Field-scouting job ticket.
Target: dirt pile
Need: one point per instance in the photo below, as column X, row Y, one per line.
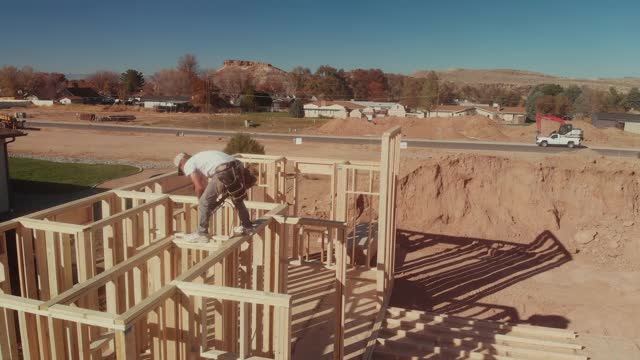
column 590, row 204
column 458, row 128
column 472, row 128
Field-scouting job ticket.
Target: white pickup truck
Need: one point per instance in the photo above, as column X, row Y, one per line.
column 557, row 139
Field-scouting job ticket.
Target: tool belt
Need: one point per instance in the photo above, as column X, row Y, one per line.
column 235, row 178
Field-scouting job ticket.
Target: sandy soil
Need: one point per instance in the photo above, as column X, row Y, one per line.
column 548, row 240
column 543, row 239
column 474, row 128
column 160, row 148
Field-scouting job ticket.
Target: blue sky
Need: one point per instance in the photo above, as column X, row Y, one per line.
column 562, row 37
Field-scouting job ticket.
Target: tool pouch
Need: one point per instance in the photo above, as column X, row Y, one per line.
column 235, row 180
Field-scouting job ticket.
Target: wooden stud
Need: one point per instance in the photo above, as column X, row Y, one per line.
column 8, row 341
column 126, row 348
column 341, row 283
column 245, row 331
column 26, row 265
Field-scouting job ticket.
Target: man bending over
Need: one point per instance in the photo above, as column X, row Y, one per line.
column 216, row 176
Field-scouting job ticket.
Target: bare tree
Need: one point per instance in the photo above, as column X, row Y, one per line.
column 233, row 81
column 9, row 81
column 105, row 82
column 188, row 65
column 189, row 68
column 169, row 82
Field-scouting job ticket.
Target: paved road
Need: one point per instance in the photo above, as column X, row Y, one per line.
column 420, row 143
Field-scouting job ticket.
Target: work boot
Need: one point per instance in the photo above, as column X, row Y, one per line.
column 196, row 238
column 241, row 230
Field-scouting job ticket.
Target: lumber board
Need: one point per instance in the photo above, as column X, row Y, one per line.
column 226, row 355
column 385, row 352
column 293, row 220
column 80, row 289
column 145, row 182
column 126, row 348
column 137, row 195
column 428, row 331
column 125, row 214
column 362, row 167
column 212, row 245
column 245, row 331
column 314, row 168
column 234, row 294
column 530, row 329
column 392, row 132
column 52, row 262
column 28, row 327
column 84, row 316
column 341, row 288
column 46, row 225
column 375, row 330
column 9, row 225
column 52, row 211
column 102, row 341
column 507, row 351
column 142, row 308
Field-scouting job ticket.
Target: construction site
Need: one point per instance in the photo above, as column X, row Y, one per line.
column 347, row 262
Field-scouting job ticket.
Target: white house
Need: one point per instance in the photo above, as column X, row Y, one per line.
column 39, row 102
column 469, row 103
column 449, row 111
column 171, row 102
column 331, row 109
column 376, row 105
column 397, row 110
column 67, row 100
column 357, row 114
column 514, row 115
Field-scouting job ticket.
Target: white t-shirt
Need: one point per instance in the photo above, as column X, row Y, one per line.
column 206, row 162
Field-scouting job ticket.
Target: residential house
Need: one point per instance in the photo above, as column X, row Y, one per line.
column 381, row 109
column 417, row 114
column 357, row 114
column 397, row 110
column 68, row 100
column 449, row 111
column 332, row 109
column 624, row 121
column 513, row 115
column 79, row 95
column 166, row 103
column 376, row 105
column 7, row 136
column 35, row 100
column 469, row 103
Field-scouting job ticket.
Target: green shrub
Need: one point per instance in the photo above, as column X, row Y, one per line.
column 243, row 143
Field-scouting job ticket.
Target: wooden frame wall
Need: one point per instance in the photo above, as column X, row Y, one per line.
column 105, row 276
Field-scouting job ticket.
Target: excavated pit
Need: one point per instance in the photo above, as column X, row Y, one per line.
column 552, row 241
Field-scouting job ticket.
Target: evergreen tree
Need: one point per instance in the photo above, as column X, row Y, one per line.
column 132, row 80
column 632, row 100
